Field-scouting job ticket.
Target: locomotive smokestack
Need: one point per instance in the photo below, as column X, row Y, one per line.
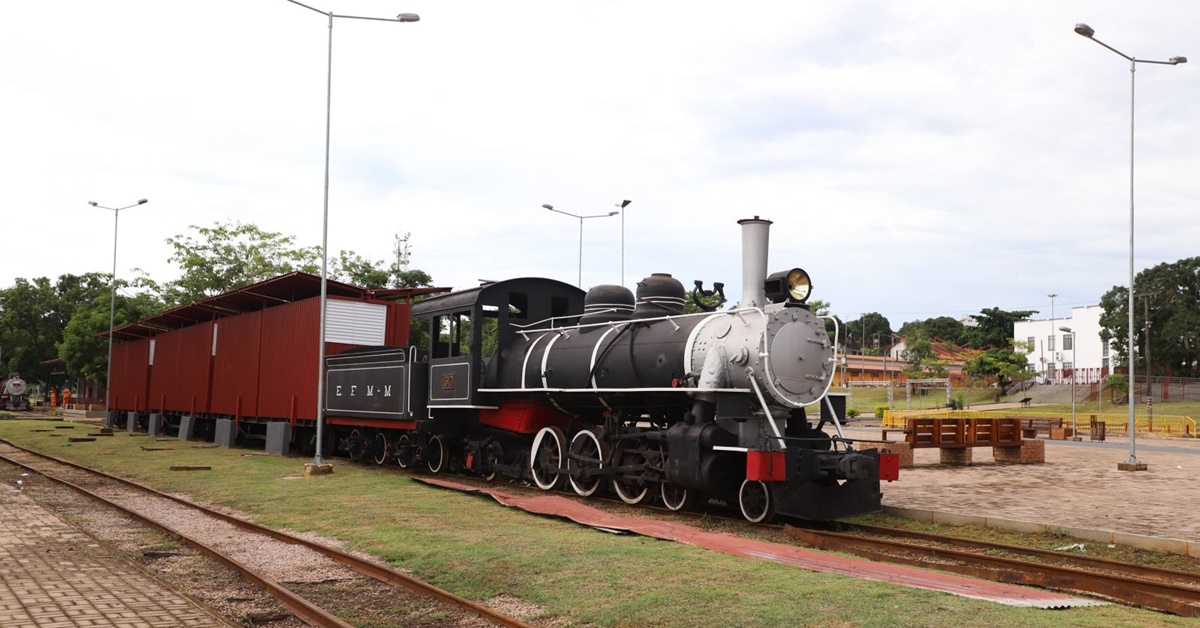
column 756, row 234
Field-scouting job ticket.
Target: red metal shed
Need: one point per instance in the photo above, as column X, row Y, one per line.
column 252, row 352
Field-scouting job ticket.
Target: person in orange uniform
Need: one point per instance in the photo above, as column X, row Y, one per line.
column 53, row 397
column 66, row 396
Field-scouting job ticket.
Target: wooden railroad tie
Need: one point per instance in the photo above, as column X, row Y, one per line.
column 80, row 439
column 64, row 427
column 189, row 468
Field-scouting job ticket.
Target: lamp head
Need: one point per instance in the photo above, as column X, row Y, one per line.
column 143, row 201
column 1066, row 329
column 1178, row 60
column 548, row 206
column 408, row 17
column 625, row 204
column 1085, row 30
column 92, row 203
column 613, row 213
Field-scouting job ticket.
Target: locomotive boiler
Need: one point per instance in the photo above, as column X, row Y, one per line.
column 534, row 379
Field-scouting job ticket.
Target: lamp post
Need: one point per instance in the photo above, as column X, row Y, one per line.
column 403, row 17
column 1090, row 33
column 621, row 206
column 581, row 219
column 1074, row 367
column 112, row 301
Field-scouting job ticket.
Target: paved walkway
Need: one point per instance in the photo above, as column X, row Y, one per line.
column 1078, row 486
column 53, row 575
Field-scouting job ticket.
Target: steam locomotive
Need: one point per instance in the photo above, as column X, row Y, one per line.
column 14, row 394
column 535, row 379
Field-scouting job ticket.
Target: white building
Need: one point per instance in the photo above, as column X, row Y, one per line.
column 1056, row 354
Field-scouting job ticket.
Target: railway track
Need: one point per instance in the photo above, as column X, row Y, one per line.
column 202, row 528
column 1167, row 590
column 1155, row 588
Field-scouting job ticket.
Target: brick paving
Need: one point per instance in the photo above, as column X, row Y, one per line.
column 53, row 575
column 1079, row 485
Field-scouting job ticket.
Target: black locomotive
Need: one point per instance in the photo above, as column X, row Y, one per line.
column 532, row 378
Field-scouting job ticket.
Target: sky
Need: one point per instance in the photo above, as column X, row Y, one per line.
column 917, row 158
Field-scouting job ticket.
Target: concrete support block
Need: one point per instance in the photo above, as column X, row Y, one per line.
column 110, row 419
column 1029, row 452
column 960, row 456
column 1061, row 433
column 131, row 422
column 155, row 425
column 226, row 434
column 187, row 425
column 279, row 438
column 904, row 450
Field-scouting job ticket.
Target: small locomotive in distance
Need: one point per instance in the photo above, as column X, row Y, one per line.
column 532, row 378
column 14, row 394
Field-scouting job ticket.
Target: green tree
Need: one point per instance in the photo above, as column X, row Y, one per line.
column 34, row 314
column 861, row 332
column 1005, row 365
column 1168, row 296
column 942, row 328
column 84, row 346
column 230, row 255
column 995, row 328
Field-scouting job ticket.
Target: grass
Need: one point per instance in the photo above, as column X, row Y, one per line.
column 477, row 548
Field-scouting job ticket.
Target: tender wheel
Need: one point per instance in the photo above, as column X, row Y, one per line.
column 628, row 484
column 755, row 500
column 435, row 454
column 494, row 456
column 380, row 446
column 587, row 454
column 403, row 451
column 546, row 457
column 677, row 498
column 355, row 446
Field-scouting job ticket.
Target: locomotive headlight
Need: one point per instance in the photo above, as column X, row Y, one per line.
column 792, row 285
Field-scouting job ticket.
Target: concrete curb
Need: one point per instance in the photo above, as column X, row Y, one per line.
column 1171, row 546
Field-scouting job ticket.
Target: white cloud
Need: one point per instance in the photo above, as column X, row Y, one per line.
column 917, row 158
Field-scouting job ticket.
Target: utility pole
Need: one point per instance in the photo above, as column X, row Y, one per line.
column 1146, row 332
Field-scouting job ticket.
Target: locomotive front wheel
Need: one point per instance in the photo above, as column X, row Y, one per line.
column 755, row 501
column 435, row 454
column 380, row 447
column 546, row 457
column 495, row 456
column 676, row 498
column 405, row 455
column 631, row 490
column 587, row 454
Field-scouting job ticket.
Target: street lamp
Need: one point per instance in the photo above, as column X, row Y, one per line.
column 403, row 17
column 112, row 302
column 1074, row 368
column 1089, row 32
column 622, row 205
column 581, row 219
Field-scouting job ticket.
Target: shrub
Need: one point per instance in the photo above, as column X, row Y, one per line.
column 852, row 413
column 879, row 410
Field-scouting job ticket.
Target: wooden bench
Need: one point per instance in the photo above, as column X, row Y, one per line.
column 1032, row 426
column 959, row 433
column 1026, row 401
